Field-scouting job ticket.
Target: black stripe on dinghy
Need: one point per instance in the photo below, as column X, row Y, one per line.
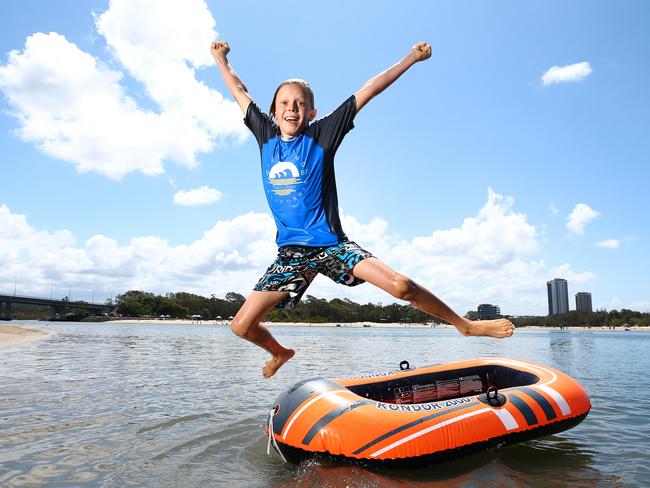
column 327, row 418
column 522, row 406
column 291, row 399
column 543, row 402
column 411, row 424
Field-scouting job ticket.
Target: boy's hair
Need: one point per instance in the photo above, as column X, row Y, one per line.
column 293, row 81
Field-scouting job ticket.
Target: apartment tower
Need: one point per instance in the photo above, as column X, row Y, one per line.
column 558, row 296
column 583, row 302
column 487, row 311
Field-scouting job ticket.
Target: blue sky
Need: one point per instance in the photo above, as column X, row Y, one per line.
column 518, row 153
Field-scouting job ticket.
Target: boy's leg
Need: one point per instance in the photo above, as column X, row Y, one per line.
column 379, row 274
column 247, row 324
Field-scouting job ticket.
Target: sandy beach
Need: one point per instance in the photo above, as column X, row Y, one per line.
column 226, row 323
column 379, row 325
column 11, row 335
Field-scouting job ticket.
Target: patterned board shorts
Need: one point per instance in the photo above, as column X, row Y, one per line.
column 296, row 267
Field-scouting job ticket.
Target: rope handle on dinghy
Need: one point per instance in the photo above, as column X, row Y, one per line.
column 272, row 437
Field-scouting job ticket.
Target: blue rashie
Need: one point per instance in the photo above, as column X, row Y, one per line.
column 298, row 175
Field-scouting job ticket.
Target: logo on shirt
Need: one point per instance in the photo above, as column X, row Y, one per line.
column 284, row 176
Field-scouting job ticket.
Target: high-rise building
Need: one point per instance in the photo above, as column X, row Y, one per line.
column 583, row 302
column 488, row 312
column 558, row 296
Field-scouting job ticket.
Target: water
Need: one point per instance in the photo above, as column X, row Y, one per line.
column 184, row 406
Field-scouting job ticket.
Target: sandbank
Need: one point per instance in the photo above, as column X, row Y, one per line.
column 11, row 335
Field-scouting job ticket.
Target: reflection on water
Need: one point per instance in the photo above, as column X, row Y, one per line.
column 509, row 466
column 175, row 406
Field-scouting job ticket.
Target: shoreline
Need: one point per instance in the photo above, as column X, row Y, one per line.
column 12, row 335
column 226, row 323
column 376, row 325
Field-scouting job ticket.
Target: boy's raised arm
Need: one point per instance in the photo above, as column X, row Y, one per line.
column 219, row 51
column 377, row 84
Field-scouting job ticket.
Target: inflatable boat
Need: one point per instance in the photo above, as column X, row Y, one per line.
column 425, row 415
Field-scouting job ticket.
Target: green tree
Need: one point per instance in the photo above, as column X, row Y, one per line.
column 235, row 299
column 471, row 315
column 135, row 303
column 167, row 306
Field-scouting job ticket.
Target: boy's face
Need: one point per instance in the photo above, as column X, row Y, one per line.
column 292, row 110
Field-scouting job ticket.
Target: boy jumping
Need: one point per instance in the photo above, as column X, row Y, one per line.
column 298, row 176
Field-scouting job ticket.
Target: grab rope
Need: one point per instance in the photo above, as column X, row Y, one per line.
column 272, row 437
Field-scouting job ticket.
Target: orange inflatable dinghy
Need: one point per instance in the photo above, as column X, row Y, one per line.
column 425, row 415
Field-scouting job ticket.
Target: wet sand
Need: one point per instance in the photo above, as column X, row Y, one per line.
column 11, row 335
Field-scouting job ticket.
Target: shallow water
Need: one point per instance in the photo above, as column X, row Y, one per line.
column 165, row 405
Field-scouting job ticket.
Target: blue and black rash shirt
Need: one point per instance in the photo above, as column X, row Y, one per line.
column 298, row 175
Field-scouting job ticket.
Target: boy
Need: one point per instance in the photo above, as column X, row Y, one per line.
column 298, row 175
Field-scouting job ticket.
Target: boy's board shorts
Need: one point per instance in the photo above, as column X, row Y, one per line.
column 296, row 267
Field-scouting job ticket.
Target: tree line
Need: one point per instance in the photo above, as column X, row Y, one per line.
column 136, row 303
column 310, row 309
column 319, row 310
column 600, row 318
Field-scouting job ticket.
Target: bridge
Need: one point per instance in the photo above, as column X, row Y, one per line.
column 57, row 307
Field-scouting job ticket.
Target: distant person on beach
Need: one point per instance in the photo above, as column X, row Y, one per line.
column 298, row 177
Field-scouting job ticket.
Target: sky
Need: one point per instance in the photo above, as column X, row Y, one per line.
column 517, row 154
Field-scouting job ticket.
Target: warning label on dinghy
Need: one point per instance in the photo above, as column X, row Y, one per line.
column 449, row 388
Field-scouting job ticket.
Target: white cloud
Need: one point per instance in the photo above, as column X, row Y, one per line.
column 565, row 271
column 74, row 108
column 198, row 196
column 617, row 303
column 229, row 257
column 553, row 209
column 579, row 217
column 609, row 243
column 490, row 258
column 161, row 44
column 571, row 72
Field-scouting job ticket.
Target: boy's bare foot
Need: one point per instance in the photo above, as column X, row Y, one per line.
column 276, row 362
column 498, row 328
